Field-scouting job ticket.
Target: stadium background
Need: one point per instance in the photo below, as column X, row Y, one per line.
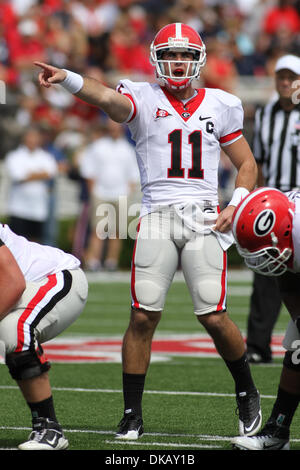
column 110, row 40
column 243, row 39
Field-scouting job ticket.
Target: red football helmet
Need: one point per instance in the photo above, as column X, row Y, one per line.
column 262, row 228
column 181, row 38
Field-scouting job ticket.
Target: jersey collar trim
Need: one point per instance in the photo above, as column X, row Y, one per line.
column 186, row 110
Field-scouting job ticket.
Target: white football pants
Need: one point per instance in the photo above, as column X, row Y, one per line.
column 162, row 241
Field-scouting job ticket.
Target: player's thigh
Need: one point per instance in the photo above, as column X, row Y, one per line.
column 45, row 309
column 204, row 264
column 154, row 263
column 17, row 327
column 66, row 310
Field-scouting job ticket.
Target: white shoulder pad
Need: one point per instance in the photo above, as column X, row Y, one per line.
column 223, row 96
column 134, row 88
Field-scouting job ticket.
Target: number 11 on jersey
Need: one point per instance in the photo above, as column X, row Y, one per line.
column 195, row 140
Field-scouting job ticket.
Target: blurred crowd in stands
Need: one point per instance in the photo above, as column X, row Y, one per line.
column 109, row 39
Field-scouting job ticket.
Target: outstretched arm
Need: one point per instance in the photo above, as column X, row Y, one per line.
column 117, row 106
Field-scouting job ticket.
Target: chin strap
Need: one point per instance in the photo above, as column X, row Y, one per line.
column 177, row 85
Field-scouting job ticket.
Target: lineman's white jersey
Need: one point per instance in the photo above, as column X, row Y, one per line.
column 36, row 261
column 292, row 336
column 295, row 197
column 178, row 144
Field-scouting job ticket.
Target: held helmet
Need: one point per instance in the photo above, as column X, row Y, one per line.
column 177, row 37
column 262, row 228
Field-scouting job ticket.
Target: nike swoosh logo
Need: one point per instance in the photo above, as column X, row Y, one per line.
column 203, row 118
column 52, row 441
column 251, row 427
column 266, row 446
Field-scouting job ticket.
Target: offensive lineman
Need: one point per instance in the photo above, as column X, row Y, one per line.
column 43, row 291
column 178, row 132
column 266, row 227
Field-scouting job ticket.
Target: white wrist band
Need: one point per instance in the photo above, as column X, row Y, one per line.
column 73, row 82
column 238, row 195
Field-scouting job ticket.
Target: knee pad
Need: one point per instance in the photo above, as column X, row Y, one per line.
column 209, row 292
column 27, row 364
column 292, row 360
column 149, row 295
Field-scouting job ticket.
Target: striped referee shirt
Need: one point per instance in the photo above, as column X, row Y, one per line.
column 276, row 145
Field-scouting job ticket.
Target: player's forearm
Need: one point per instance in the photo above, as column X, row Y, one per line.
column 247, row 175
column 13, row 289
column 244, row 183
column 114, row 104
column 117, row 106
column 242, row 158
column 12, row 281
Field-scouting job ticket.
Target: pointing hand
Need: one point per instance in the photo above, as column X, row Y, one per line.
column 50, row 75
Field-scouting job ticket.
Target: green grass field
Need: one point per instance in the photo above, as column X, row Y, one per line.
column 189, row 402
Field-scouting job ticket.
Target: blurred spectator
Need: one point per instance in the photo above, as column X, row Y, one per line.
column 225, row 175
column 211, row 23
column 219, row 71
column 109, row 38
column 29, row 168
column 26, row 111
column 8, row 17
column 28, row 45
column 252, row 20
column 127, row 54
column 189, row 12
column 50, row 232
column 21, row 7
column 109, row 165
column 94, row 16
column 283, row 15
column 249, row 56
column 58, row 40
column 260, row 55
column 72, row 140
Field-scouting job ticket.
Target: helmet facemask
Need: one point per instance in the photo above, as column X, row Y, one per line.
column 164, row 69
column 267, row 261
column 262, row 227
column 173, row 43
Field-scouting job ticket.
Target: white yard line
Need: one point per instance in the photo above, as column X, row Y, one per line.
column 203, row 437
column 150, row 392
column 165, row 444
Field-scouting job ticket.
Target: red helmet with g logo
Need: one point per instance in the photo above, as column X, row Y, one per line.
column 181, row 38
column 262, row 228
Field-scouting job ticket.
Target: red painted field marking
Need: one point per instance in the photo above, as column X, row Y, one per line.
column 91, row 350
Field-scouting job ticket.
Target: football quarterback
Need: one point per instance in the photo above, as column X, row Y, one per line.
column 179, row 131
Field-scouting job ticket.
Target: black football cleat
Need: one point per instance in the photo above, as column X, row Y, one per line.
column 249, row 411
column 45, row 435
column 130, row 427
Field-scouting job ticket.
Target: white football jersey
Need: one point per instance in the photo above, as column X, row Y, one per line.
column 295, row 197
column 178, row 143
column 36, row 261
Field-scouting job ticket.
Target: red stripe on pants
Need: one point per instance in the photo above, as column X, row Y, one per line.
column 133, row 294
column 42, row 292
column 223, row 282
